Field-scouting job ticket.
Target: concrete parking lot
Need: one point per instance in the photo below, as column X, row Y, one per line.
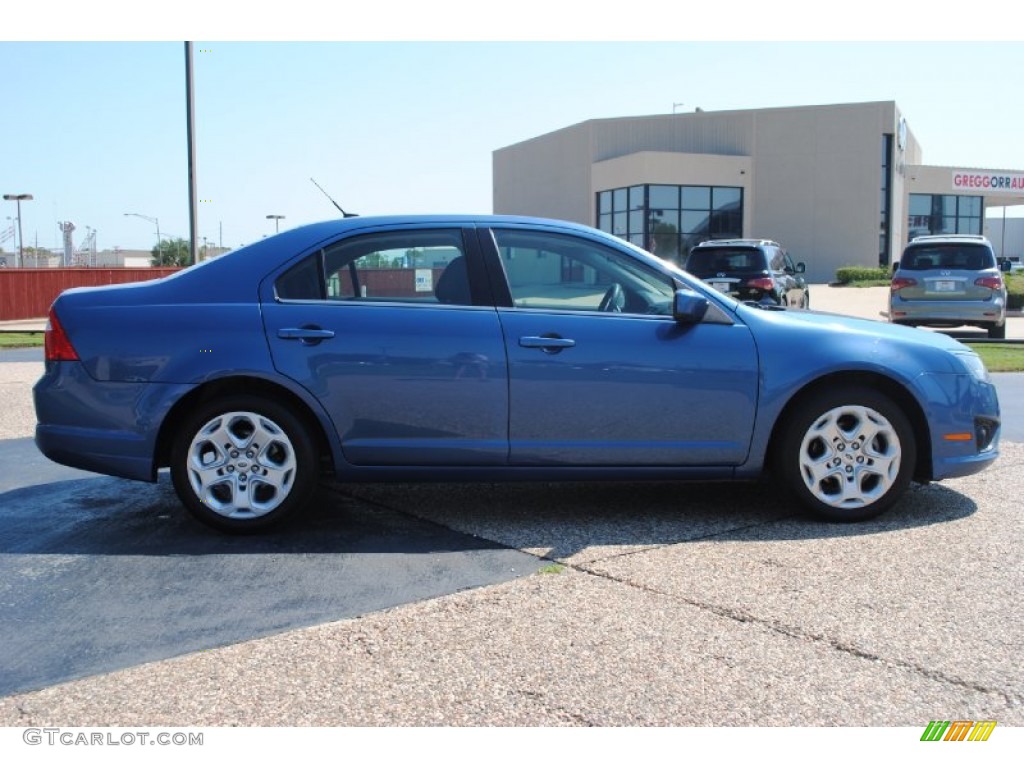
column 638, row 604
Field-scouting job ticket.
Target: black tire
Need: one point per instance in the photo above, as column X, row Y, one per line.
column 866, row 433
column 243, row 463
column 997, row 331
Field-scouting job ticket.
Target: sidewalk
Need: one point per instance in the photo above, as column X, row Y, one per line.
column 33, row 324
column 873, row 303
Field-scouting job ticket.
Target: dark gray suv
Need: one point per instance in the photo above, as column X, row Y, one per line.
column 750, row 270
column 945, row 281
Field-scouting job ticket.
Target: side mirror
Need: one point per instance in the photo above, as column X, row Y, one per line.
column 1004, row 265
column 689, row 307
column 895, row 266
column 800, row 267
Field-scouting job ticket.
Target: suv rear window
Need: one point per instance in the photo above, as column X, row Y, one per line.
column 709, row 261
column 948, row 256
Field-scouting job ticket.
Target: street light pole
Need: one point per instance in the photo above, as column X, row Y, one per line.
column 159, row 240
column 277, row 221
column 21, row 240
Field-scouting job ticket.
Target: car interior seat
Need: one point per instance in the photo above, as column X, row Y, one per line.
column 453, row 284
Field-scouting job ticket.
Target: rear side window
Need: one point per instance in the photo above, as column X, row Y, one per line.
column 407, row 266
column 948, row 256
column 711, row 261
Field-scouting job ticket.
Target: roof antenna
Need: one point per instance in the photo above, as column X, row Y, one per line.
column 346, row 215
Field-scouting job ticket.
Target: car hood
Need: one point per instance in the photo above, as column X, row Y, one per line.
column 838, row 340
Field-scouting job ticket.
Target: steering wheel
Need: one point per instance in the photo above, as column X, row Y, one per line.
column 614, row 299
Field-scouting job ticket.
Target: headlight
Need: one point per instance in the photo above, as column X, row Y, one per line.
column 974, row 365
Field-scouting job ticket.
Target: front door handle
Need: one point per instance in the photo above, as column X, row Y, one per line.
column 550, row 344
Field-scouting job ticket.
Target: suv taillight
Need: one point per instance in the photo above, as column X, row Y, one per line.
column 994, row 283
column 901, row 282
column 57, row 344
column 764, row 283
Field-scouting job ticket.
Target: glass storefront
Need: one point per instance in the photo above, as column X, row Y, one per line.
column 669, row 219
column 945, row 215
column 883, row 234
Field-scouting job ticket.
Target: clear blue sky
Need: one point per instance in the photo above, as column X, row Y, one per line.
column 97, row 129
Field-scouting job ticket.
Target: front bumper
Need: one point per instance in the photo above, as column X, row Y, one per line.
column 965, row 424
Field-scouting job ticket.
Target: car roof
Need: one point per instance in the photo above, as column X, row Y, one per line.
column 217, row 277
column 935, row 239
column 745, row 242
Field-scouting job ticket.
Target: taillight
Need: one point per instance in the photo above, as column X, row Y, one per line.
column 994, row 283
column 764, row 283
column 57, row 344
column 901, row 282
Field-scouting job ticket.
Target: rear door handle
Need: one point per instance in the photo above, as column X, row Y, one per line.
column 547, row 343
column 310, row 335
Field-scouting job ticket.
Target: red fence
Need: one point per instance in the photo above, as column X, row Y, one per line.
column 28, row 293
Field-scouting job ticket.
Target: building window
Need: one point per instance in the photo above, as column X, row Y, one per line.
column 945, row 215
column 885, row 226
column 669, row 219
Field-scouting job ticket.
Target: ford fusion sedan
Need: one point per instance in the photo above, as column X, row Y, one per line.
column 490, row 348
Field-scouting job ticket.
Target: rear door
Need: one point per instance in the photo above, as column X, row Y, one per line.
column 394, row 331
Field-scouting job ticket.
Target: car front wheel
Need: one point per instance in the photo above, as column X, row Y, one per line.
column 241, row 464
column 847, row 454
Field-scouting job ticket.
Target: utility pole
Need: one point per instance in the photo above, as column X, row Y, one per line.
column 21, row 240
column 190, row 130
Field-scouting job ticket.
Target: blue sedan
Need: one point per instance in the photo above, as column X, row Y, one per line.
column 490, row 348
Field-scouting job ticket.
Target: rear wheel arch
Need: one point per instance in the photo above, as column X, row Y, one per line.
column 872, row 381
column 237, row 385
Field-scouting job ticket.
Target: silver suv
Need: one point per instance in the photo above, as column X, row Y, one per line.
column 946, row 281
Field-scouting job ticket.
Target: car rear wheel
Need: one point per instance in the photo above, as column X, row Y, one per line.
column 243, row 463
column 997, row 331
column 847, row 454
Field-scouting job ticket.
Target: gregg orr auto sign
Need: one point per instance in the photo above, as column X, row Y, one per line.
column 986, row 181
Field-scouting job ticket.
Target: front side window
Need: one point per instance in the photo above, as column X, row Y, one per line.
column 422, row 267
column 551, row 271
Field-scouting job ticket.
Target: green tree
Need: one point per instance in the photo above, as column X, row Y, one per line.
column 171, row 253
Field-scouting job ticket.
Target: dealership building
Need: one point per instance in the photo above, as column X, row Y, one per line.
column 836, row 185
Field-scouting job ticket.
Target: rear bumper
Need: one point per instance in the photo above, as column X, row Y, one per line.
column 121, row 454
column 100, row 426
column 949, row 313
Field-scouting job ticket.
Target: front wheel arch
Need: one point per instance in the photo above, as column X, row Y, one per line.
column 847, row 454
column 890, row 388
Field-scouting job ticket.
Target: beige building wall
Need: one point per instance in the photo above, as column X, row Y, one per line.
column 547, row 176
column 812, row 176
column 668, row 168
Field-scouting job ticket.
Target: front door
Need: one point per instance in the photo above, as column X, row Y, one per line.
column 601, row 375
